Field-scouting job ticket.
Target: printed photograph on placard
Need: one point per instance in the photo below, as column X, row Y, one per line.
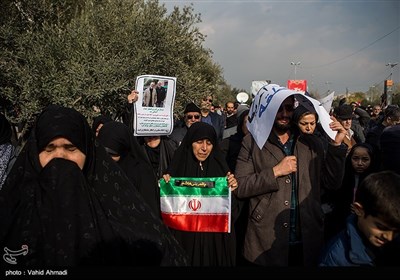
column 154, row 109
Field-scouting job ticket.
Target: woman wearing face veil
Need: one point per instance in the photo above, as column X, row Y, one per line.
column 200, row 156
column 67, row 203
column 123, row 147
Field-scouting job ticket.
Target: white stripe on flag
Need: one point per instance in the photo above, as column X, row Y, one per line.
column 194, row 204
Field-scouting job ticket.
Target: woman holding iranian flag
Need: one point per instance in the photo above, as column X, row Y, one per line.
column 196, row 200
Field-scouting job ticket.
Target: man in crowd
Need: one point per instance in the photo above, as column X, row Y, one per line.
column 282, row 182
column 161, row 94
column 191, row 115
column 211, row 118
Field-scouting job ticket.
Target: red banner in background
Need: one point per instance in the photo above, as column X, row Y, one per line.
column 297, row 85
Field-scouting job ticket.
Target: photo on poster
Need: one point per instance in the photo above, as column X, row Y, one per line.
column 155, row 105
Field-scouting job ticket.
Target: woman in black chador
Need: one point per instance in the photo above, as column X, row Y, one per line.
column 200, row 156
column 67, row 203
column 124, row 148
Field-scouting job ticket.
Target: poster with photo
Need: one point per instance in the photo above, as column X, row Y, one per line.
column 155, row 105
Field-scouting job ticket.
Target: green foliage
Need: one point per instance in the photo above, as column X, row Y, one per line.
column 371, row 97
column 88, row 53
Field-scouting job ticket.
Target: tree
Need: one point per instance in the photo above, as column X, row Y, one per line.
column 90, row 52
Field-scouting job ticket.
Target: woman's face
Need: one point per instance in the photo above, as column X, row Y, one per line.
column 152, row 141
column 202, row 149
column 62, row 148
column 360, row 160
column 307, row 124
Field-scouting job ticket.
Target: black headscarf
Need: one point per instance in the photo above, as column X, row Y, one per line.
column 67, row 217
column 303, row 107
column 58, row 121
column 102, row 119
column 116, row 138
column 185, row 164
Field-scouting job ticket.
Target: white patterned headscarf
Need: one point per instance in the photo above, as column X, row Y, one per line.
column 6, row 148
column 6, row 151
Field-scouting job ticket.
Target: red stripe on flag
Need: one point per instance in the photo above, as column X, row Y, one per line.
column 197, row 223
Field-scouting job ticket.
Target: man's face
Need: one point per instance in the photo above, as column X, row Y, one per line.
column 284, row 115
column 206, row 102
column 346, row 123
column 191, row 118
column 377, row 110
column 230, row 108
column 375, row 230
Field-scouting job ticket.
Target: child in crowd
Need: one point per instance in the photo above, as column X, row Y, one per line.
column 375, row 222
column 360, row 162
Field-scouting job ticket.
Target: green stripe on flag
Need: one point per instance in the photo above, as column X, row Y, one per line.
column 194, row 186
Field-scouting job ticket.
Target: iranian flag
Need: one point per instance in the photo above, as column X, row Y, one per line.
column 196, row 204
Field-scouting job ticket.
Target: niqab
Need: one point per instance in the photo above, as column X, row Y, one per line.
column 70, row 217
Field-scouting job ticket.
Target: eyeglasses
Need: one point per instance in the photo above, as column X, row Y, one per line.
column 189, row 117
column 209, row 100
column 288, row 108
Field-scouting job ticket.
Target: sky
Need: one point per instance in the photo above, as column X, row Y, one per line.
column 341, row 45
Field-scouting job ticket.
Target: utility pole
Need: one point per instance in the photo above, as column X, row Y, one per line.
column 295, row 67
column 391, row 65
column 387, row 91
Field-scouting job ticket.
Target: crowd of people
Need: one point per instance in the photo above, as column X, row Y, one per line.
column 77, row 194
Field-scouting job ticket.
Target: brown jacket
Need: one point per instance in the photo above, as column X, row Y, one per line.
column 267, row 233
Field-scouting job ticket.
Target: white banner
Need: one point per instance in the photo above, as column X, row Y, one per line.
column 265, row 106
column 256, row 86
column 326, row 101
column 153, row 111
